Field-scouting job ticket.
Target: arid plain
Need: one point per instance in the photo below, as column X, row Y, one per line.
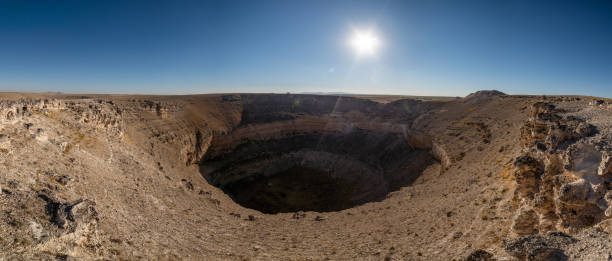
column 305, row 177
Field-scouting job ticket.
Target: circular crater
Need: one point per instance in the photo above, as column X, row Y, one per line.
column 314, row 170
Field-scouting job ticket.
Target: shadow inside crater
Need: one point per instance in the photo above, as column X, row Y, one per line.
column 315, row 171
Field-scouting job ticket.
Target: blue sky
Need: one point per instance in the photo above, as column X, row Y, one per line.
column 428, row 47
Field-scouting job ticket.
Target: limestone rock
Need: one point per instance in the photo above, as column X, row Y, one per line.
column 559, row 177
column 526, row 222
column 605, row 167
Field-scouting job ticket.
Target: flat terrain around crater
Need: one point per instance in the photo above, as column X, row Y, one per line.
column 304, row 177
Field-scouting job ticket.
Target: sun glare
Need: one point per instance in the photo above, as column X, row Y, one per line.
column 365, row 43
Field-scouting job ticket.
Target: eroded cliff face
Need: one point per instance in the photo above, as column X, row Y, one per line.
column 563, row 174
column 97, row 113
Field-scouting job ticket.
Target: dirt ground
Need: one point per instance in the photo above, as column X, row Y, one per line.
column 97, row 177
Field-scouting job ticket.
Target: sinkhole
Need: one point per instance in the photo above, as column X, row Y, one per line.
column 314, row 171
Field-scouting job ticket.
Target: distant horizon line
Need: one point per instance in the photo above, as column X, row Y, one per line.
column 298, row 93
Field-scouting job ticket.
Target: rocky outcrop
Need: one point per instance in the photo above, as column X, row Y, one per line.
column 561, row 178
column 525, row 222
column 69, row 216
column 11, row 110
column 439, row 152
column 100, row 114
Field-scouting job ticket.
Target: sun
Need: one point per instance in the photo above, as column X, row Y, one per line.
column 365, row 43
